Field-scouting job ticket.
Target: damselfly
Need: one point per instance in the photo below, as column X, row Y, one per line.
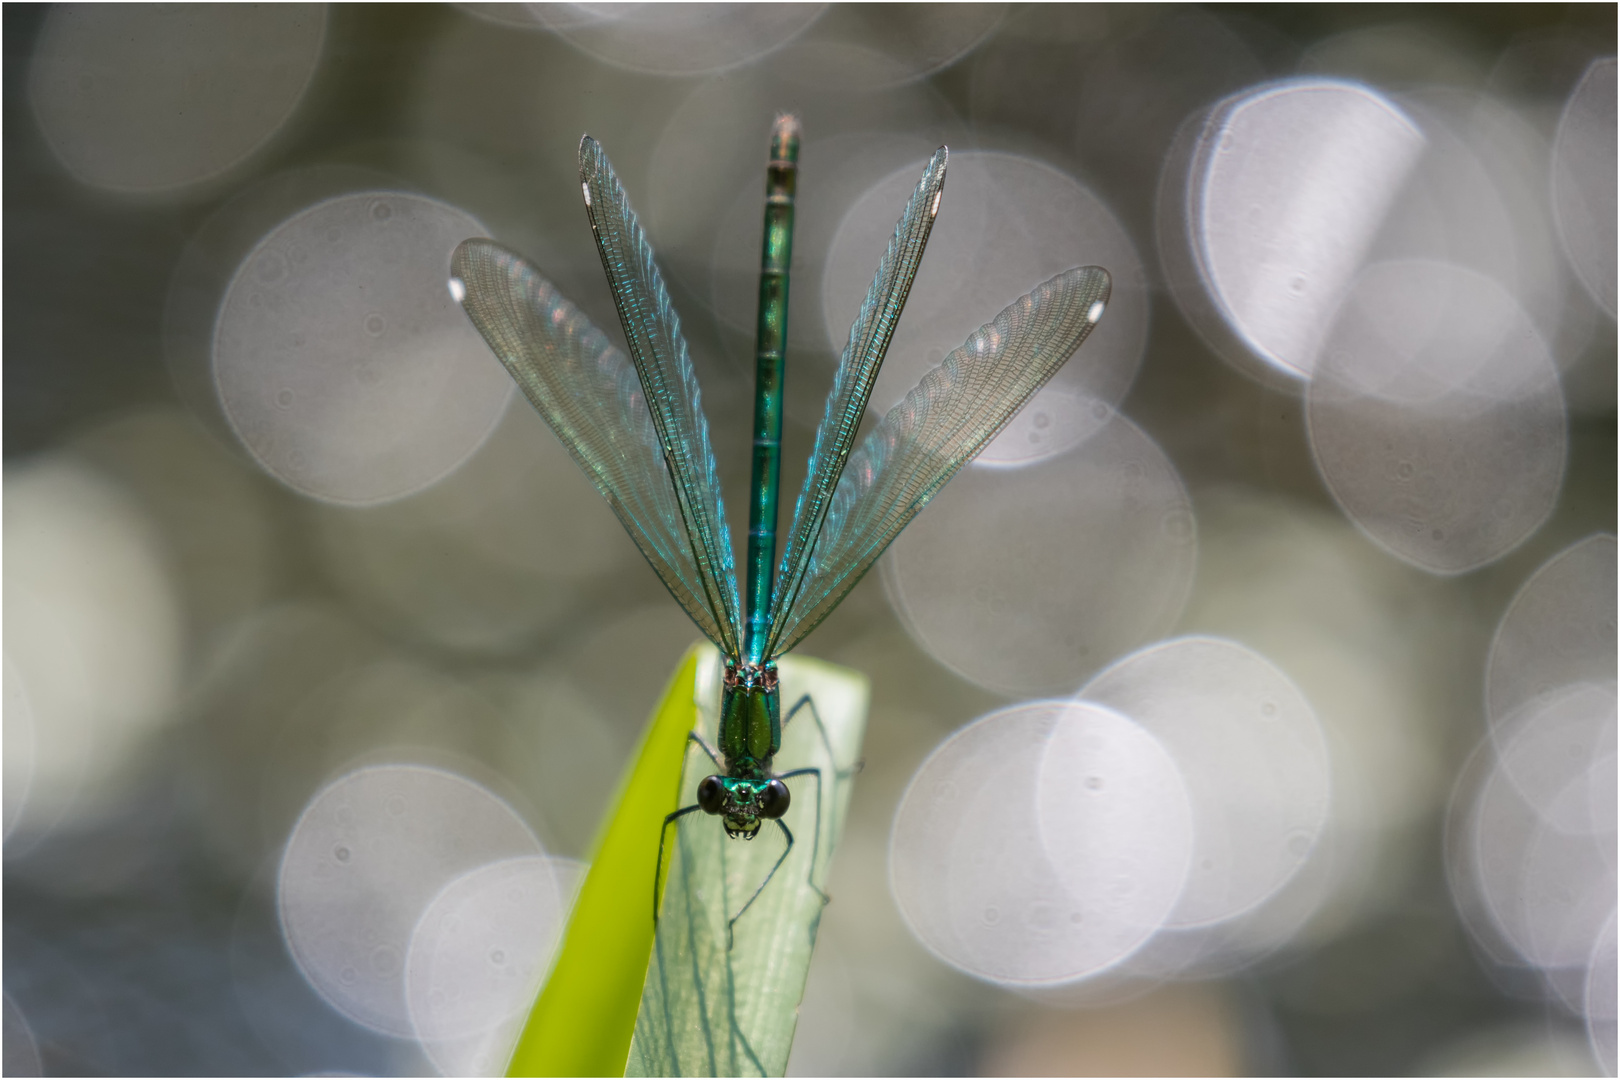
column 636, row 426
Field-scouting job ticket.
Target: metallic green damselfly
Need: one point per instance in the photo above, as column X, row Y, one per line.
column 636, row 426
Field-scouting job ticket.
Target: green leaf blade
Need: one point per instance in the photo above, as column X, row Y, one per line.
column 710, row 1011
column 583, row 1020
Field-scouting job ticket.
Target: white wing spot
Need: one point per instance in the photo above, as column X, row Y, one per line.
column 932, row 210
column 458, row 289
column 586, row 188
column 1095, row 312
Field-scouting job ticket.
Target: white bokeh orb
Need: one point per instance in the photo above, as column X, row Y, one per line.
column 1436, row 416
column 367, row 856
column 1559, row 629
column 1252, row 754
column 1028, row 580
column 479, row 955
column 341, row 360
column 152, row 98
column 1041, row 844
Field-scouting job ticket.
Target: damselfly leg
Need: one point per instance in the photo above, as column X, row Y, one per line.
column 840, row 774
column 731, row 923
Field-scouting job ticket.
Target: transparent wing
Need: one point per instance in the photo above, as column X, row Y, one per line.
column 857, row 371
column 653, row 332
column 943, row 422
column 589, row 393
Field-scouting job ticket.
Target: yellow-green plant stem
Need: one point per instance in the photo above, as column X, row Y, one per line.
column 583, row 1020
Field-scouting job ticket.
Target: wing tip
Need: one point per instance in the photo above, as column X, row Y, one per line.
column 461, row 258
column 1107, row 282
column 1088, row 280
column 467, row 248
column 1095, row 283
column 591, row 157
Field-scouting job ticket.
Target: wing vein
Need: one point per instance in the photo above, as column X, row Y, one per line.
column 944, row 421
column 590, row 395
column 869, row 338
column 653, row 331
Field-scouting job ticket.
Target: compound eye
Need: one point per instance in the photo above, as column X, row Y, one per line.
column 774, row 800
column 711, row 795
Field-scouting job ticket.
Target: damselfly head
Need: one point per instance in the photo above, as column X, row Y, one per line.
column 743, row 803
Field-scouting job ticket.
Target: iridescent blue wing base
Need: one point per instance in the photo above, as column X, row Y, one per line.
column 592, row 397
column 869, row 338
column 943, row 422
column 653, row 332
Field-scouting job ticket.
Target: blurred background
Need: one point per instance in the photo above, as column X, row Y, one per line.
column 1287, row 610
